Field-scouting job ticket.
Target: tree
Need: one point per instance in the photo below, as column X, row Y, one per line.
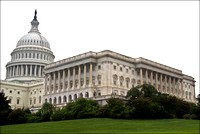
column 4, row 103
column 4, row 108
column 145, row 91
column 46, row 111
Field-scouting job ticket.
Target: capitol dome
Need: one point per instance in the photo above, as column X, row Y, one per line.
column 33, row 39
column 30, row 56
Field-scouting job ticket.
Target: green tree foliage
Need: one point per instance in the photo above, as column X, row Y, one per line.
column 46, row 111
column 4, row 109
column 116, row 108
column 83, row 108
column 17, row 116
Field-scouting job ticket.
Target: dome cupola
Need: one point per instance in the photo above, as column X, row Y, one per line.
column 30, row 56
column 34, row 37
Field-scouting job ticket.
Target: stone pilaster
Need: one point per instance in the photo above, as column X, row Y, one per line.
column 74, row 72
column 173, row 85
column 141, row 77
column 146, row 74
column 151, row 78
column 59, row 81
column 165, row 83
column 79, row 76
column 84, row 75
column 91, row 74
column 63, row 79
column 68, row 79
column 157, row 81
column 170, row 89
column 54, row 82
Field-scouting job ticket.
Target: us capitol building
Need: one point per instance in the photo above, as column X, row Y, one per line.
column 32, row 76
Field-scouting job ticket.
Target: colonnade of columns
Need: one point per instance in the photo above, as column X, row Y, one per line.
column 69, row 79
column 162, row 82
column 24, row 70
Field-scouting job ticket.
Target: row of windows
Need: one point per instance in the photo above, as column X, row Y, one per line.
column 34, row 92
column 37, row 42
column 33, row 101
column 66, row 99
column 121, row 69
column 76, row 83
column 32, row 55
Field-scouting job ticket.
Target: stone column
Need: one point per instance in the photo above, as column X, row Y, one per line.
column 84, row 75
column 17, row 70
column 50, row 90
column 170, row 90
column 26, row 70
column 54, row 82
column 59, row 81
column 151, row 78
column 22, row 70
column 63, row 79
column 73, row 87
column 79, row 76
column 157, row 81
column 178, row 89
column 91, row 74
column 161, row 85
column 173, row 85
column 39, row 72
column 147, row 81
column 45, row 84
column 141, row 77
column 35, row 70
column 10, row 72
column 13, row 70
column 165, row 83
column 182, row 92
column 68, row 88
column 30, row 70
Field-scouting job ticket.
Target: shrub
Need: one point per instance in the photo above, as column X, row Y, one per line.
column 60, row 114
column 46, row 111
column 142, row 108
column 115, row 106
column 34, row 119
column 82, row 108
column 17, row 116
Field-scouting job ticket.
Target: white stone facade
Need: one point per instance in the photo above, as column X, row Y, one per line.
column 32, row 78
column 23, row 95
column 99, row 75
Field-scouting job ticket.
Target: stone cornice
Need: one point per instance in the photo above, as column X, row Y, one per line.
column 23, row 85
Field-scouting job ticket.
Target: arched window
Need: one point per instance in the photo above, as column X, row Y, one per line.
column 55, row 101
column 70, row 98
column 75, row 97
column 64, row 99
column 86, row 95
column 81, row 95
column 121, row 80
column 50, row 100
column 59, row 100
column 40, row 99
column 115, row 79
column 127, row 82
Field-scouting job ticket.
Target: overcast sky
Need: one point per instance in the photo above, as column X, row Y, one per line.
column 166, row 32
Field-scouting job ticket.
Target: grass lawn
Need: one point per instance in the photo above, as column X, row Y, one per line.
column 105, row 126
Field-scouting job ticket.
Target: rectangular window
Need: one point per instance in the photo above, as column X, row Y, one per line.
column 114, row 67
column 99, row 67
column 17, row 101
column 120, row 68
